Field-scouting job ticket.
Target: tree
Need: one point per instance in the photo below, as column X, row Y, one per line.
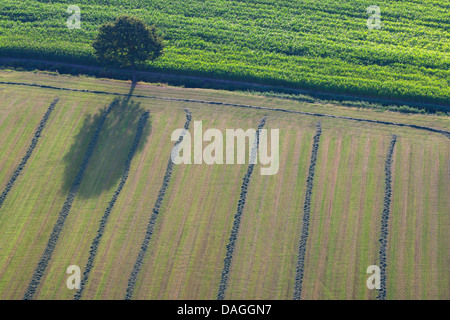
column 127, row 42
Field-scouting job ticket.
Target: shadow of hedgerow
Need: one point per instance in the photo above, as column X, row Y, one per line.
column 109, row 157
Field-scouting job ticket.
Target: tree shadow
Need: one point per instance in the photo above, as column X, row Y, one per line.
column 111, row 151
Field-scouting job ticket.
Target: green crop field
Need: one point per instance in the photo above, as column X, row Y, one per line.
column 322, row 45
column 186, row 251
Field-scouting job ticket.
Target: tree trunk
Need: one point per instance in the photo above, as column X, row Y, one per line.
column 133, row 77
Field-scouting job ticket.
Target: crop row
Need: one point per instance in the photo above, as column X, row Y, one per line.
column 104, row 220
column 306, row 215
column 155, row 212
column 47, row 254
column 30, row 150
column 237, row 217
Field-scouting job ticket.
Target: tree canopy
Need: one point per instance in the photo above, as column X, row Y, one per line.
column 127, row 42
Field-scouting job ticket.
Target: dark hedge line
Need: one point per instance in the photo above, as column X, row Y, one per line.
column 30, row 150
column 306, row 215
column 46, row 256
column 237, row 219
column 385, row 219
column 95, row 243
column 154, row 216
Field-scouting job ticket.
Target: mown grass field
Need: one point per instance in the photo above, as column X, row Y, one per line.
column 309, row 44
column 420, row 222
column 187, row 249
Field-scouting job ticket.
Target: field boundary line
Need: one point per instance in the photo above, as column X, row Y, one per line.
column 385, row 219
column 155, row 212
column 234, row 83
column 237, row 217
column 47, row 254
column 95, row 243
column 445, row 133
column 306, row 215
column 29, row 152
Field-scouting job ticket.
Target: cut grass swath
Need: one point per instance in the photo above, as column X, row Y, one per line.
column 385, row 219
column 30, row 150
column 388, row 123
column 104, row 220
column 155, row 212
column 237, row 218
column 188, row 265
column 46, row 256
column 306, row 212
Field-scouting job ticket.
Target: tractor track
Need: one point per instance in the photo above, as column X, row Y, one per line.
column 29, row 152
column 237, row 218
column 306, row 216
column 445, row 133
column 95, row 243
column 47, row 254
column 155, row 212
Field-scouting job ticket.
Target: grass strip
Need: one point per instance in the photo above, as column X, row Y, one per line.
column 104, row 220
column 47, row 254
column 30, row 150
column 237, row 218
column 155, row 213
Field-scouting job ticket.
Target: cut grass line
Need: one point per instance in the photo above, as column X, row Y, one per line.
column 46, row 256
column 155, row 212
column 104, row 220
column 445, row 133
column 30, row 150
column 32, row 206
column 385, row 219
column 237, row 218
column 128, row 221
column 306, row 212
column 325, row 182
